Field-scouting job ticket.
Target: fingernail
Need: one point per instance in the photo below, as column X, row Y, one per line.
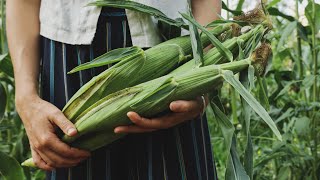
column 116, row 130
column 71, row 131
column 173, row 105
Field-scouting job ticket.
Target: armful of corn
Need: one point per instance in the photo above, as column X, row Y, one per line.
column 95, row 125
column 147, row 81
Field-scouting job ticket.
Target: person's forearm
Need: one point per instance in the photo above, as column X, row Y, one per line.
column 205, row 11
column 23, row 39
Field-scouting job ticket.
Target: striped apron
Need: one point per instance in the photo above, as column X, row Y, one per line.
column 181, row 152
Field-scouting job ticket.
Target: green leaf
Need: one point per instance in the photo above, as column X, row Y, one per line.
column 285, row 89
column 234, row 12
column 235, row 170
column 302, row 32
column 286, row 33
column 284, row 173
column 223, row 50
column 263, row 96
column 308, row 82
column 272, row 156
column 197, row 48
column 248, row 157
column 240, row 4
column 251, row 77
column 275, row 12
column 240, row 43
column 110, row 57
column 248, row 82
column 3, row 101
column 254, row 104
column 289, row 112
column 273, row 3
column 135, row 6
column 39, row 175
column 302, row 125
column 225, row 125
column 6, row 65
column 10, row 169
column 313, row 17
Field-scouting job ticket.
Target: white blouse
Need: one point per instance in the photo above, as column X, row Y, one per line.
column 72, row 22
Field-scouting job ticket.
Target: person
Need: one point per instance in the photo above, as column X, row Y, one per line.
column 47, row 39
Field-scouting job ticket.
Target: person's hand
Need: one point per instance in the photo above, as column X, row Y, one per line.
column 40, row 120
column 181, row 111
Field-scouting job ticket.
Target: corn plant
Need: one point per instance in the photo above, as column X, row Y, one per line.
column 287, row 91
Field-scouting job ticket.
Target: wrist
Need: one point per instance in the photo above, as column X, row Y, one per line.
column 22, row 99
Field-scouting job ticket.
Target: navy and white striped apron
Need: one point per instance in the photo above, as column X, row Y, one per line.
column 182, row 152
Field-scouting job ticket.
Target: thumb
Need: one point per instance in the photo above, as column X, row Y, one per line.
column 64, row 124
column 182, row 106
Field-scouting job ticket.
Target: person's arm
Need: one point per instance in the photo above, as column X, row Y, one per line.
column 39, row 117
column 204, row 11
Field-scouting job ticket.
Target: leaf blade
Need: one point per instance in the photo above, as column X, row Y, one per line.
column 135, row 6
column 255, row 105
column 223, row 50
column 10, row 170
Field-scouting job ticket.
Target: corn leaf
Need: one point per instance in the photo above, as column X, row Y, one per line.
column 255, row 105
column 235, row 170
column 247, row 81
column 286, row 33
column 3, row 101
column 313, row 15
column 113, row 56
column 6, row 65
column 135, row 6
column 240, row 4
column 254, row 42
column 248, row 157
column 225, row 125
column 263, row 96
column 275, row 12
column 10, row 168
column 234, row 12
column 223, row 50
column 251, row 77
column 272, row 3
column 240, row 43
column 197, row 48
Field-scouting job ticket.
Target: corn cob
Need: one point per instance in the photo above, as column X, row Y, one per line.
column 140, row 67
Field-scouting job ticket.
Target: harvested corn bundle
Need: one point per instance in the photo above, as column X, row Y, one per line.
column 101, row 105
column 96, row 125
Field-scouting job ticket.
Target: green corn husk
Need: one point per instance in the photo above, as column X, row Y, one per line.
column 96, row 125
column 147, row 99
column 140, row 67
column 29, row 163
